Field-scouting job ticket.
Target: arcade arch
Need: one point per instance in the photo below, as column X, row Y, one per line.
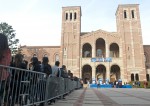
column 100, row 48
column 101, row 72
column 114, row 73
column 114, row 50
column 87, row 50
column 87, row 73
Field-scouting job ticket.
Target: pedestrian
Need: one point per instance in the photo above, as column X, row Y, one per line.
column 115, row 84
column 146, row 84
column 5, row 59
column 98, row 84
column 133, row 84
column 45, row 67
column 55, row 69
column 64, row 73
column 16, row 77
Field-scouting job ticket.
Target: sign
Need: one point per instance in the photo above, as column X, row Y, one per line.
column 108, row 59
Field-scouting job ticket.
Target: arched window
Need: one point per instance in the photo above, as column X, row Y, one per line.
column 132, row 77
column 66, row 16
column 34, row 55
column 125, row 14
column 137, row 77
column 147, row 77
column 75, row 16
column 114, row 50
column 45, row 55
column 70, row 16
column 56, row 57
column 86, row 50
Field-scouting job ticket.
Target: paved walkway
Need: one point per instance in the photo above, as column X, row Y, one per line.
column 106, row 97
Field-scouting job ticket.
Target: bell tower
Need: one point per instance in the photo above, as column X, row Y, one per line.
column 129, row 29
column 70, row 38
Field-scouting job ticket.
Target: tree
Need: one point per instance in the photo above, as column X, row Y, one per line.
column 10, row 33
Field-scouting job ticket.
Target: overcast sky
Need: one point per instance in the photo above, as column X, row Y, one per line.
column 38, row 22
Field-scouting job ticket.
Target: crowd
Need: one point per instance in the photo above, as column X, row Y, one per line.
column 16, row 77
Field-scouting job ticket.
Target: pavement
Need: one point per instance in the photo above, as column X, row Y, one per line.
column 106, row 97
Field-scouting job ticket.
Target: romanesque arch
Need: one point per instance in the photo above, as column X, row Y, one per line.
column 87, row 50
column 101, row 72
column 115, row 73
column 56, row 57
column 132, row 77
column 137, row 77
column 114, row 50
column 147, row 77
column 87, row 73
column 100, row 48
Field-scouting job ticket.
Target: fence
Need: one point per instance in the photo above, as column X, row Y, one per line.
column 25, row 87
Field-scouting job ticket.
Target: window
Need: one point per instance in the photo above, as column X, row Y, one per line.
column 70, row 16
column 75, row 16
column 132, row 77
column 137, row 77
column 45, row 55
column 147, row 77
column 34, row 55
column 125, row 14
column 132, row 13
column 66, row 16
column 56, row 57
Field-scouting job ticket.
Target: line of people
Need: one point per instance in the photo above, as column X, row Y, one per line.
column 15, row 77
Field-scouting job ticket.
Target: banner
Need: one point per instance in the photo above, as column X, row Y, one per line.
column 108, row 59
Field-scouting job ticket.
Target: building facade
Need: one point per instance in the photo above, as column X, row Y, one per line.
column 99, row 54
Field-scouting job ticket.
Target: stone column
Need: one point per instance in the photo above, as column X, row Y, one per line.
column 107, row 50
column 108, row 71
column 93, row 50
column 93, row 70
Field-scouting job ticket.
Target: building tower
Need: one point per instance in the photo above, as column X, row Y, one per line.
column 129, row 29
column 70, row 38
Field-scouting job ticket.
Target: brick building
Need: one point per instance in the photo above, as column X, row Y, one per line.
column 99, row 54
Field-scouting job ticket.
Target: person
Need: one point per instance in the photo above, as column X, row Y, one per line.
column 133, row 84
column 64, row 73
column 5, row 59
column 16, row 77
column 34, row 78
column 146, row 84
column 98, row 84
column 115, row 84
column 35, row 64
column 45, row 67
column 81, row 81
column 70, row 75
column 55, row 69
column 139, row 84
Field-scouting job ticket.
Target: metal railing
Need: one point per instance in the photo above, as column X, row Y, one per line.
column 25, row 87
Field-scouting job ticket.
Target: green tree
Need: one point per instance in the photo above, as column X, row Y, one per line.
column 10, row 33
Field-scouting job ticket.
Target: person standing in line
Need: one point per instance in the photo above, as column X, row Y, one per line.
column 64, row 73
column 16, row 77
column 45, row 67
column 55, row 69
column 5, row 59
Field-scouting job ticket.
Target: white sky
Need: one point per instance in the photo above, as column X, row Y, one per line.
column 38, row 22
